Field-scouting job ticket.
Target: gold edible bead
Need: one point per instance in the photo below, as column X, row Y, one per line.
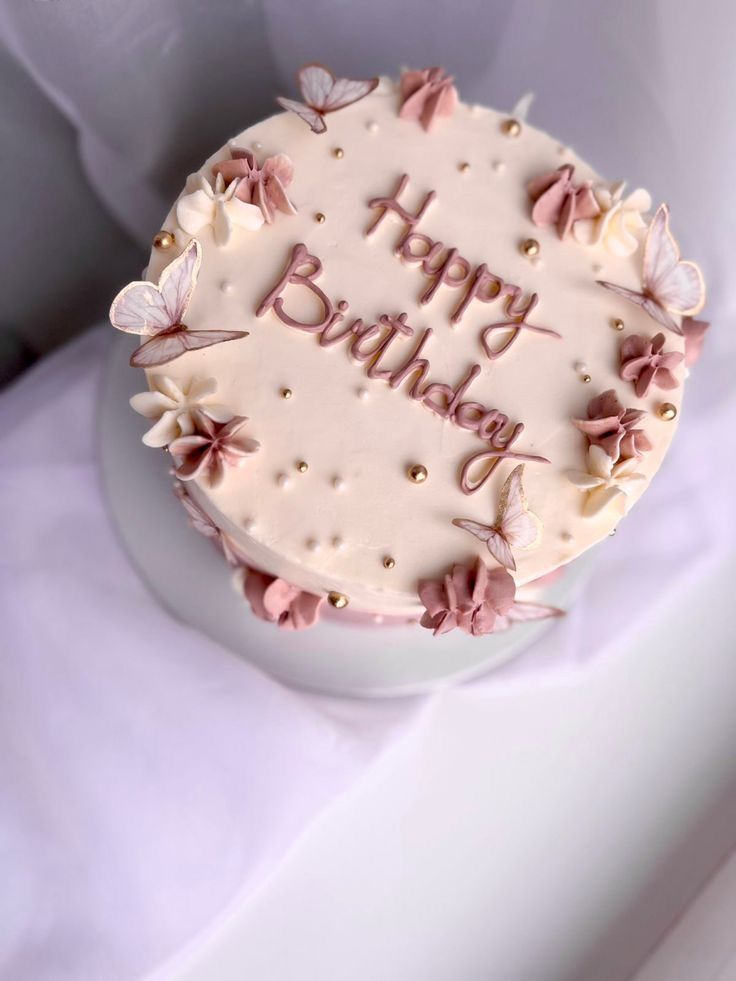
column 338, row 152
column 667, row 411
column 319, row 218
column 417, row 473
column 338, row 600
column 302, row 466
column 511, row 127
column 530, row 247
column 163, row 239
column 389, row 562
column 617, row 323
column 286, row 393
column 585, row 378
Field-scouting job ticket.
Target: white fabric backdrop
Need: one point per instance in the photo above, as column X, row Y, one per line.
column 146, row 777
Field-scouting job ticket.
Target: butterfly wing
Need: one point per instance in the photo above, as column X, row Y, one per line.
column 325, row 93
column 522, row 612
column 312, row 117
column 346, row 91
column 518, row 525
column 676, row 285
column 143, row 308
column 171, row 344
column 647, row 303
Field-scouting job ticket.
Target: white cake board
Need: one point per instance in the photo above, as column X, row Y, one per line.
column 193, row 582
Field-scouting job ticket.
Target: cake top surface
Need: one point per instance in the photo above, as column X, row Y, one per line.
column 424, row 317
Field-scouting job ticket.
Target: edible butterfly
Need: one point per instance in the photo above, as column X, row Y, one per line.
column 323, row 93
column 142, row 308
column 515, row 525
column 670, row 285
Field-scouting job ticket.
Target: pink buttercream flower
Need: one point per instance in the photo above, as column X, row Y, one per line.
column 473, row 598
column 264, row 186
column 557, row 200
column 612, row 427
column 427, row 94
column 694, row 334
column 212, row 448
column 277, row 601
column 644, row 362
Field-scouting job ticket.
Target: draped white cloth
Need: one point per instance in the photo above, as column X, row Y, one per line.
column 148, row 778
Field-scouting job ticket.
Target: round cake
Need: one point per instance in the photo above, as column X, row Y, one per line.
column 408, row 354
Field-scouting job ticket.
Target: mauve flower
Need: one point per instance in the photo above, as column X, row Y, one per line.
column 172, row 406
column 644, row 362
column 263, row 186
column 557, row 201
column 201, row 522
column 612, row 427
column 694, row 334
column 473, row 598
column 277, row 601
column 426, row 94
column 212, row 448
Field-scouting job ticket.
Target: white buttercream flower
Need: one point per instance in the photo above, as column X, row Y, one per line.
column 216, row 206
column 602, row 481
column 172, row 408
column 619, row 225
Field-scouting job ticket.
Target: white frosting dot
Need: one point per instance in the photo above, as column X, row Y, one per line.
column 566, row 536
column 362, row 393
column 597, row 268
column 226, row 286
column 372, row 126
column 378, row 618
column 338, row 483
column 536, row 262
column 338, row 543
column 562, row 149
column 249, row 524
column 313, row 545
column 498, row 166
column 580, row 366
column 257, row 145
column 282, row 480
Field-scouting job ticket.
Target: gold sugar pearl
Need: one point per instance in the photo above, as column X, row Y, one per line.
column 338, row 153
column 667, row 411
column 417, row 473
column 286, row 393
column 464, row 167
column 530, row 247
column 163, row 240
column 585, row 379
column 302, row 466
column 319, row 218
column 617, row 323
column 389, row 562
column 338, row 600
column 511, row 127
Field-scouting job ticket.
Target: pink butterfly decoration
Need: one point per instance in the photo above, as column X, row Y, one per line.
column 524, row 612
column 557, row 201
column 427, row 94
column 322, row 93
column 264, row 186
column 158, row 312
column 515, row 524
column 670, row 285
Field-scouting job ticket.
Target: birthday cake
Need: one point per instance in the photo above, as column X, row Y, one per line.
column 408, row 355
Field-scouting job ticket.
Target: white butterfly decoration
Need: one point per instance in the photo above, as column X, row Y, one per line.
column 670, row 285
column 515, row 524
column 158, row 311
column 523, row 611
column 323, row 93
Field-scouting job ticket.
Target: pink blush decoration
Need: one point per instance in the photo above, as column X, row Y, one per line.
column 277, row 601
column 558, row 201
column 427, row 94
column 263, row 186
column 694, row 333
column 473, row 598
column 645, row 362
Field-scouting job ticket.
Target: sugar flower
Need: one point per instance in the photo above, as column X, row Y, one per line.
column 263, row 186
column 645, row 362
column 211, row 449
column 277, row 601
column 427, row 94
column 620, row 223
column 472, row 597
column 612, row 427
column 172, row 407
column 558, row 201
column 217, row 206
column 604, row 482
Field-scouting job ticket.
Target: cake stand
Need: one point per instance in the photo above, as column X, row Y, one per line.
column 191, row 580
